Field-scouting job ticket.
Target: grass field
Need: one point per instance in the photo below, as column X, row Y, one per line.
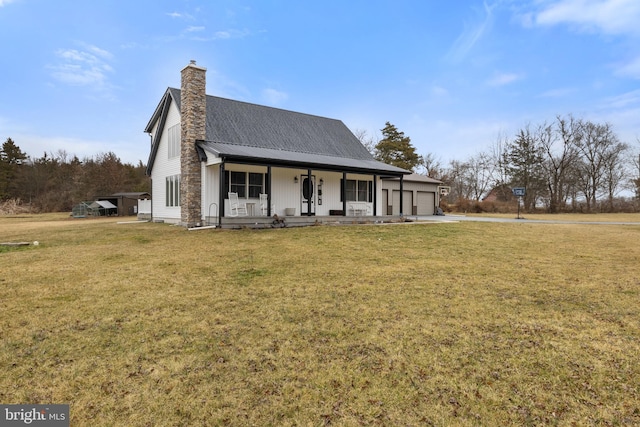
column 413, row 324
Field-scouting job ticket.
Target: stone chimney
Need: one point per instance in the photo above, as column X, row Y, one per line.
column 193, row 118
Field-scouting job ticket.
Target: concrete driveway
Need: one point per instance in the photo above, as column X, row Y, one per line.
column 523, row 220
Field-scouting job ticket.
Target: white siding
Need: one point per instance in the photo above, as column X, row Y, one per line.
column 162, row 168
column 330, row 192
column 211, row 190
column 285, row 192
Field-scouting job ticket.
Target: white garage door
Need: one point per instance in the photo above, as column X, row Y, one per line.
column 407, row 202
column 426, row 202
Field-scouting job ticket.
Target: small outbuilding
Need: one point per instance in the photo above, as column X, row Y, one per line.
column 126, row 203
column 103, row 208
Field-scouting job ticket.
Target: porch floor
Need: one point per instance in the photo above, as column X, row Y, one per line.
column 296, row 221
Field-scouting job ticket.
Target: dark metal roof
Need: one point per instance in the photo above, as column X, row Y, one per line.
column 414, row 177
column 255, row 155
column 132, row 195
column 248, row 132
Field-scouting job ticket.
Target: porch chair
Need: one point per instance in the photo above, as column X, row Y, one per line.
column 236, row 207
column 264, row 205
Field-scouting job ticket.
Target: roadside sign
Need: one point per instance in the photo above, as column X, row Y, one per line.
column 518, row 191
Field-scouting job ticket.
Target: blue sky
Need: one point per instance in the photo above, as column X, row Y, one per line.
column 85, row 76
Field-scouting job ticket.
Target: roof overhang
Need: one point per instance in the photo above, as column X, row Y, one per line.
column 422, row 179
column 270, row 157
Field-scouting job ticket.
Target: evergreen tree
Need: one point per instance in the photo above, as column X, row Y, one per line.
column 11, row 159
column 396, row 149
column 524, row 158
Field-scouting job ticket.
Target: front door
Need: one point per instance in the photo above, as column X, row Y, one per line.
column 308, row 195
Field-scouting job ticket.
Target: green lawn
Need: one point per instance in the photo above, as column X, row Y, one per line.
column 408, row 324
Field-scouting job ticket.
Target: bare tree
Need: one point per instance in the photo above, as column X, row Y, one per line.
column 635, row 170
column 432, row 166
column 497, row 156
column 479, row 175
column 559, row 145
column 366, row 140
column 599, row 146
column 615, row 171
column 456, row 177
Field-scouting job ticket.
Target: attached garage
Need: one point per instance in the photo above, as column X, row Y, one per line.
column 419, row 195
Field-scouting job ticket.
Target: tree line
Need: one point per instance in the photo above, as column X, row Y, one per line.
column 55, row 182
column 567, row 165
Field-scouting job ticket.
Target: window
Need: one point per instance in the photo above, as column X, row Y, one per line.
column 246, row 184
column 350, row 190
column 357, row 191
column 172, row 191
column 255, row 184
column 239, row 183
column 363, row 191
column 174, row 141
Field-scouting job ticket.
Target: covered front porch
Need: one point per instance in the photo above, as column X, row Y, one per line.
column 257, row 189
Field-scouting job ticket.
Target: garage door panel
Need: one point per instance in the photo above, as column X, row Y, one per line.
column 426, row 203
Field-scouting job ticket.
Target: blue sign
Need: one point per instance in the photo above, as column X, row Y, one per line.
column 518, row 191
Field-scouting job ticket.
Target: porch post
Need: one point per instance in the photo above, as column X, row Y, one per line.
column 344, row 193
column 268, row 190
column 309, row 192
column 221, row 195
column 375, row 194
column 401, row 191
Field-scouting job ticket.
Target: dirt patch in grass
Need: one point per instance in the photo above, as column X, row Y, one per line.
column 447, row 324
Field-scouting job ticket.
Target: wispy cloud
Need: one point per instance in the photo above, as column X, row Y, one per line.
column 625, row 100
column 179, row 15
column 439, row 91
column 471, row 35
column 5, row 2
column 87, row 66
column 503, row 79
column 606, row 16
column 194, row 29
column 557, row 93
column 218, row 35
column 630, row 69
column 274, row 97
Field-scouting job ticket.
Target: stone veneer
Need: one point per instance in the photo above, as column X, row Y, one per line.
column 193, row 113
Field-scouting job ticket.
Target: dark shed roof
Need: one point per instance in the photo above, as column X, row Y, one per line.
column 133, row 195
column 248, row 132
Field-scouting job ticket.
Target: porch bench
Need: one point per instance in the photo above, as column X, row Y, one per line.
column 358, row 208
